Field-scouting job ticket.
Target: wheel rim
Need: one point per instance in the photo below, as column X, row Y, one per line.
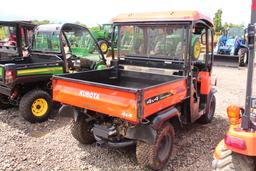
column 104, row 47
column 39, row 107
column 164, row 148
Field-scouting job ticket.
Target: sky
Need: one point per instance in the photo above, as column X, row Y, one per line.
column 93, row 12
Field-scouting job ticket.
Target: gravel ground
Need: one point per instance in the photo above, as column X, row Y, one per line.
column 50, row 146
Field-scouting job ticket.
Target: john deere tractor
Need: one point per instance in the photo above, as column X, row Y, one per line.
column 102, row 34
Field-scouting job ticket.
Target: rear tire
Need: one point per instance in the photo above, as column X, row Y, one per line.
column 208, row 116
column 80, row 130
column 35, row 106
column 155, row 156
column 230, row 161
column 103, row 44
column 243, row 56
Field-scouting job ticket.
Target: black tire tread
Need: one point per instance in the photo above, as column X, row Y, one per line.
column 241, row 54
column 27, row 100
column 146, row 153
column 204, row 119
column 103, row 41
column 79, row 130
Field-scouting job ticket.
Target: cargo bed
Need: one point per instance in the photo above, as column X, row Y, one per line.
column 132, row 95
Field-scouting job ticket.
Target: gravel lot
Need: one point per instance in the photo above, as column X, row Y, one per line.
column 50, row 146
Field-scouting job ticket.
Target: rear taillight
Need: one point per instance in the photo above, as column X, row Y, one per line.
column 234, row 114
column 235, row 142
column 9, row 76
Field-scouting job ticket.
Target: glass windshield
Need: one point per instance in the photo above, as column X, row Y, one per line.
column 7, row 36
column 82, row 44
column 161, row 41
column 47, row 42
column 235, row 31
column 230, row 42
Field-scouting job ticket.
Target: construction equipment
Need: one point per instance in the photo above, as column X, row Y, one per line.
column 237, row 151
column 121, row 107
column 231, row 45
column 26, row 70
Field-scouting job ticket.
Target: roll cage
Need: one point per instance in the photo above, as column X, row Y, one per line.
column 192, row 27
column 19, row 25
column 59, row 29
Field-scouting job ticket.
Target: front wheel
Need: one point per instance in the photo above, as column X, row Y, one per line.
column 232, row 161
column 35, row 106
column 243, row 56
column 155, row 156
column 208, row 116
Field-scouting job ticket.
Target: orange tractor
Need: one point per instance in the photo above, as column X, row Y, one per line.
column 238, row 149
column 121, row 106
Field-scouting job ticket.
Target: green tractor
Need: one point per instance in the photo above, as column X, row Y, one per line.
column 102, row 34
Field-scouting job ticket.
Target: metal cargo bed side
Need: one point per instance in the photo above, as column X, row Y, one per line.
column 113, row 102
column 133, row 96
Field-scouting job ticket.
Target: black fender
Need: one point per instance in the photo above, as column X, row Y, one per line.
column 142, row 132
column 148, row 132
column 163, row 116
column 243, row 46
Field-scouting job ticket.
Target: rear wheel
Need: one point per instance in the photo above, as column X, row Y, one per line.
column 243, row 56
column 208, row 116
column 155, row 156
column 81, row 130
column 103, row 46
column 35, row 106
column 233, row 161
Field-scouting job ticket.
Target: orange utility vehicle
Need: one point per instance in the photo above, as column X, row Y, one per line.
column 238, row 151
column 120, row 107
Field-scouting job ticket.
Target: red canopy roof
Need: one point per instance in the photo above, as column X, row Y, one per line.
column 163, row 16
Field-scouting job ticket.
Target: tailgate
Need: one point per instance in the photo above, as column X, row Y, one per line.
column 110, row 101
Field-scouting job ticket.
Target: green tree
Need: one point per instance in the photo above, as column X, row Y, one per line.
column 230, row 25
column 41, row 22
column 217, row 20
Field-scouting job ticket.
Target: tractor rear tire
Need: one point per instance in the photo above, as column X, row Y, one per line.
column 230, row 161
column 103, row 44
column 35, row 106
column 196, row 49
column 155, row 156
column 208, row 116
column 243, row 56
column 80, row 130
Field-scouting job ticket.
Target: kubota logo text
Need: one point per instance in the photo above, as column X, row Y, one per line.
column 89, row 94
